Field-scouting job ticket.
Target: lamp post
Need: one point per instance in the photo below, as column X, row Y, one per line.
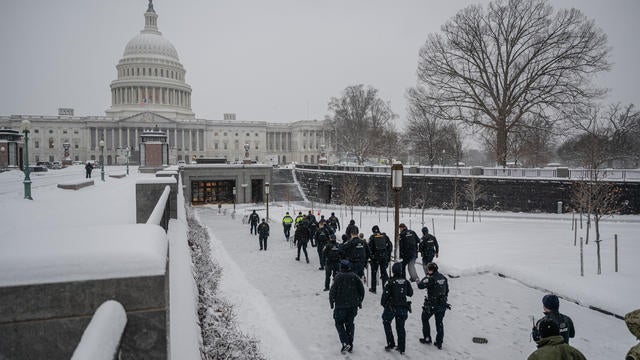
column 266, row 191
column 234, row 199
column 102, row 159
column 442, row 159
column 126, row 153
column 396, row 184
column 25, row 128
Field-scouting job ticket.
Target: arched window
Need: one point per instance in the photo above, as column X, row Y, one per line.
column 162, row 72
column 138, row 71
column 144, row 71
column 156, row 72
column 306, row 158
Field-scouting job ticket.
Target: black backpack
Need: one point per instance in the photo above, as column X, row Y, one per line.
column 380, row 242
column 360, row 251
column 333, row 252
column 397, row 292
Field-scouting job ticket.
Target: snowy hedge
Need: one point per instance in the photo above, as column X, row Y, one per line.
column 221, row 336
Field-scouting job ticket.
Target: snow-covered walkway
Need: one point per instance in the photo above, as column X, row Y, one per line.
column 280, row 301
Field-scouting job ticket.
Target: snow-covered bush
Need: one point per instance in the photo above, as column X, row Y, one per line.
column 221, row 336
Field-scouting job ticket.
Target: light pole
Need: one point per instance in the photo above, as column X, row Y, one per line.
column 234, row 199
column 25, row 128
column 396, row 184
column 266, row 191
column 102, row 159
column 126, row 153
column 442, row 159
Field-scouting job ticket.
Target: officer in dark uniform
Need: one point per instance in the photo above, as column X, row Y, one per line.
column 550, row 307
column 263, row 232
column 345, row 297
column 396, row 306
column 356, row 251
column 428, row 248
column 287, row 221
column 253, row 222
column 435, row 304
column 322, row 237
column 380, row 249
column 334, row 223
column 409, row 251
column 300, row 238
column 332, row 255
column 352, row 224
column 312, row 226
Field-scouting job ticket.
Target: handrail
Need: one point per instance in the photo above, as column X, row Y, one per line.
column 101, row 338
column 159, row 210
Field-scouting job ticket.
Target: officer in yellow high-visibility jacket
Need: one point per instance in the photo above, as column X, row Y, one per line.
column 299, row 218
column 287, row 221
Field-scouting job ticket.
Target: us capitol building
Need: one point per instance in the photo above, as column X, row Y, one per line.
column 151, row 90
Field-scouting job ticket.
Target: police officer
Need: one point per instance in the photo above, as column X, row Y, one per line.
column 322, row 237
column 550, row 307
column 300, row 238
column 345, row 297
column 263, row 232
column 380, row 249
column 287, row 221
column 409, row 251
column 299, row 218
column 428, row 248
column 312, row 226
column 435, row 304
column 253, row 222
column 356, row 251
column 396, row 306
column 334, row 223
column 332, row 255
column 352, row 224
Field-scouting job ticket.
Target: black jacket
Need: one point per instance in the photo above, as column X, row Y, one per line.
column 332, row 252
column 346, row 291
column 379, row 252
column 263, row 229
column 408, row 244
column 428, row 246
column 437, row 289
column 301, row 236
column 355, row 250
column 565, row 324
column 254, row 218
column 395, row 292
column 322, row 236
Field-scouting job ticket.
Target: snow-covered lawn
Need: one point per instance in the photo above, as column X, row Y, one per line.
column 281, row 301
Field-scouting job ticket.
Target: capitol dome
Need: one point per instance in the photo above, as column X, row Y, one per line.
column 150, row 76
column 150, row 44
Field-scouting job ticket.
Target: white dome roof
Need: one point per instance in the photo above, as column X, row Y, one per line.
column 150, row 44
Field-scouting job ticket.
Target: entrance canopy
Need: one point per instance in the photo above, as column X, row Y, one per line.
column 214, row 183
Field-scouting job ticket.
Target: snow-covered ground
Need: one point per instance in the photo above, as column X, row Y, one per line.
column 281, row 302
column 276, row 294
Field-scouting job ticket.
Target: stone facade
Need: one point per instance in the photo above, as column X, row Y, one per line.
column 506, row 194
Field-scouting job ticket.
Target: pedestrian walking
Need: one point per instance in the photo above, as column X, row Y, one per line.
column 287, row 221
column 428, row 248
column 332, row 255
column 300, row 238
column 334, row 223
column 88, row 168
column 356, row 251
column 408, row 251
column 263, row 234
column 345, row 297
column 396, row 306
column 253, row 223
column 380, row 249
column 321, row 238
column 299, row 218
column 435, row 304
column 551, row 344
column 550, row 307
column 352, row 224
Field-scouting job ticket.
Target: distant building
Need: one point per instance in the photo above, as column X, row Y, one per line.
column 150, row 90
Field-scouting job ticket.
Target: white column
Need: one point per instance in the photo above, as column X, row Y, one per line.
column 190, row 137
column 128, row 144
column 136, row 139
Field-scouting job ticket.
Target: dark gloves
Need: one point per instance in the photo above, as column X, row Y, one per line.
column 449, row 306
column 331, row 304
column 360, row 305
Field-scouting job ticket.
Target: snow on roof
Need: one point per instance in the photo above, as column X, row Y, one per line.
column 37, row 256
column 158, row 180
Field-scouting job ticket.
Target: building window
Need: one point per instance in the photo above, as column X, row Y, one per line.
column 36, row 131
column 248, row 134
column 236, row 134
column 215, row 146
column 75, row 131
column 225, row 146
column 37, row 158
column 51, row 143
column 256, row 134
column 257, row 145
column 225, row 134
column 36, row 144
column 50, row 131
column 76, row 146
column 215, row 134
column 64, row 131
column 77, row 158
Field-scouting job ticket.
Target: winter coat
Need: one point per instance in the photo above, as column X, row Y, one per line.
column 301, row 236
column 437, row 289
column 332, row 252
column 428, row 246
column 380, row 248
column 254, row 218
column 334, row 222
column 408, row 244
column 395, row 292
column 287, row 220
column 346, row 291
column 322, row 236
column 349, row 228
column 554, row 347
column 564, row 324
column 355, row 250
column 263, row 229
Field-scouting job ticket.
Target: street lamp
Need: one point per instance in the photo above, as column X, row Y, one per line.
column 234, row 199
column 126, row 153
column 266, row 191
column 396, row 184
column 102, row 159
column 442, row 159
column 25, row 128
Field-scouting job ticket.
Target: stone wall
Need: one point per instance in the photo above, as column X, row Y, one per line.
column 148, row 193
column 508, row 194
column 46, row 321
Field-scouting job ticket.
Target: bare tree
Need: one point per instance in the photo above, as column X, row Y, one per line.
column 473, row 192
column 372, row 194
column 351, row 193
column 426, row 133
column 359, row 119
column 422, row 197
column 490, row 66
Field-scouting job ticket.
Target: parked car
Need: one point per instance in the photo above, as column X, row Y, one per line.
column 46, row 164
column 181, row 163
column 38, row 168
column 56, row 165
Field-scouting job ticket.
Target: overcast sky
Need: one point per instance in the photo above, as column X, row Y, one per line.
column 265, row 60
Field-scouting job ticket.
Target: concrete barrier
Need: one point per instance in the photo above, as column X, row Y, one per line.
column 76, row 185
